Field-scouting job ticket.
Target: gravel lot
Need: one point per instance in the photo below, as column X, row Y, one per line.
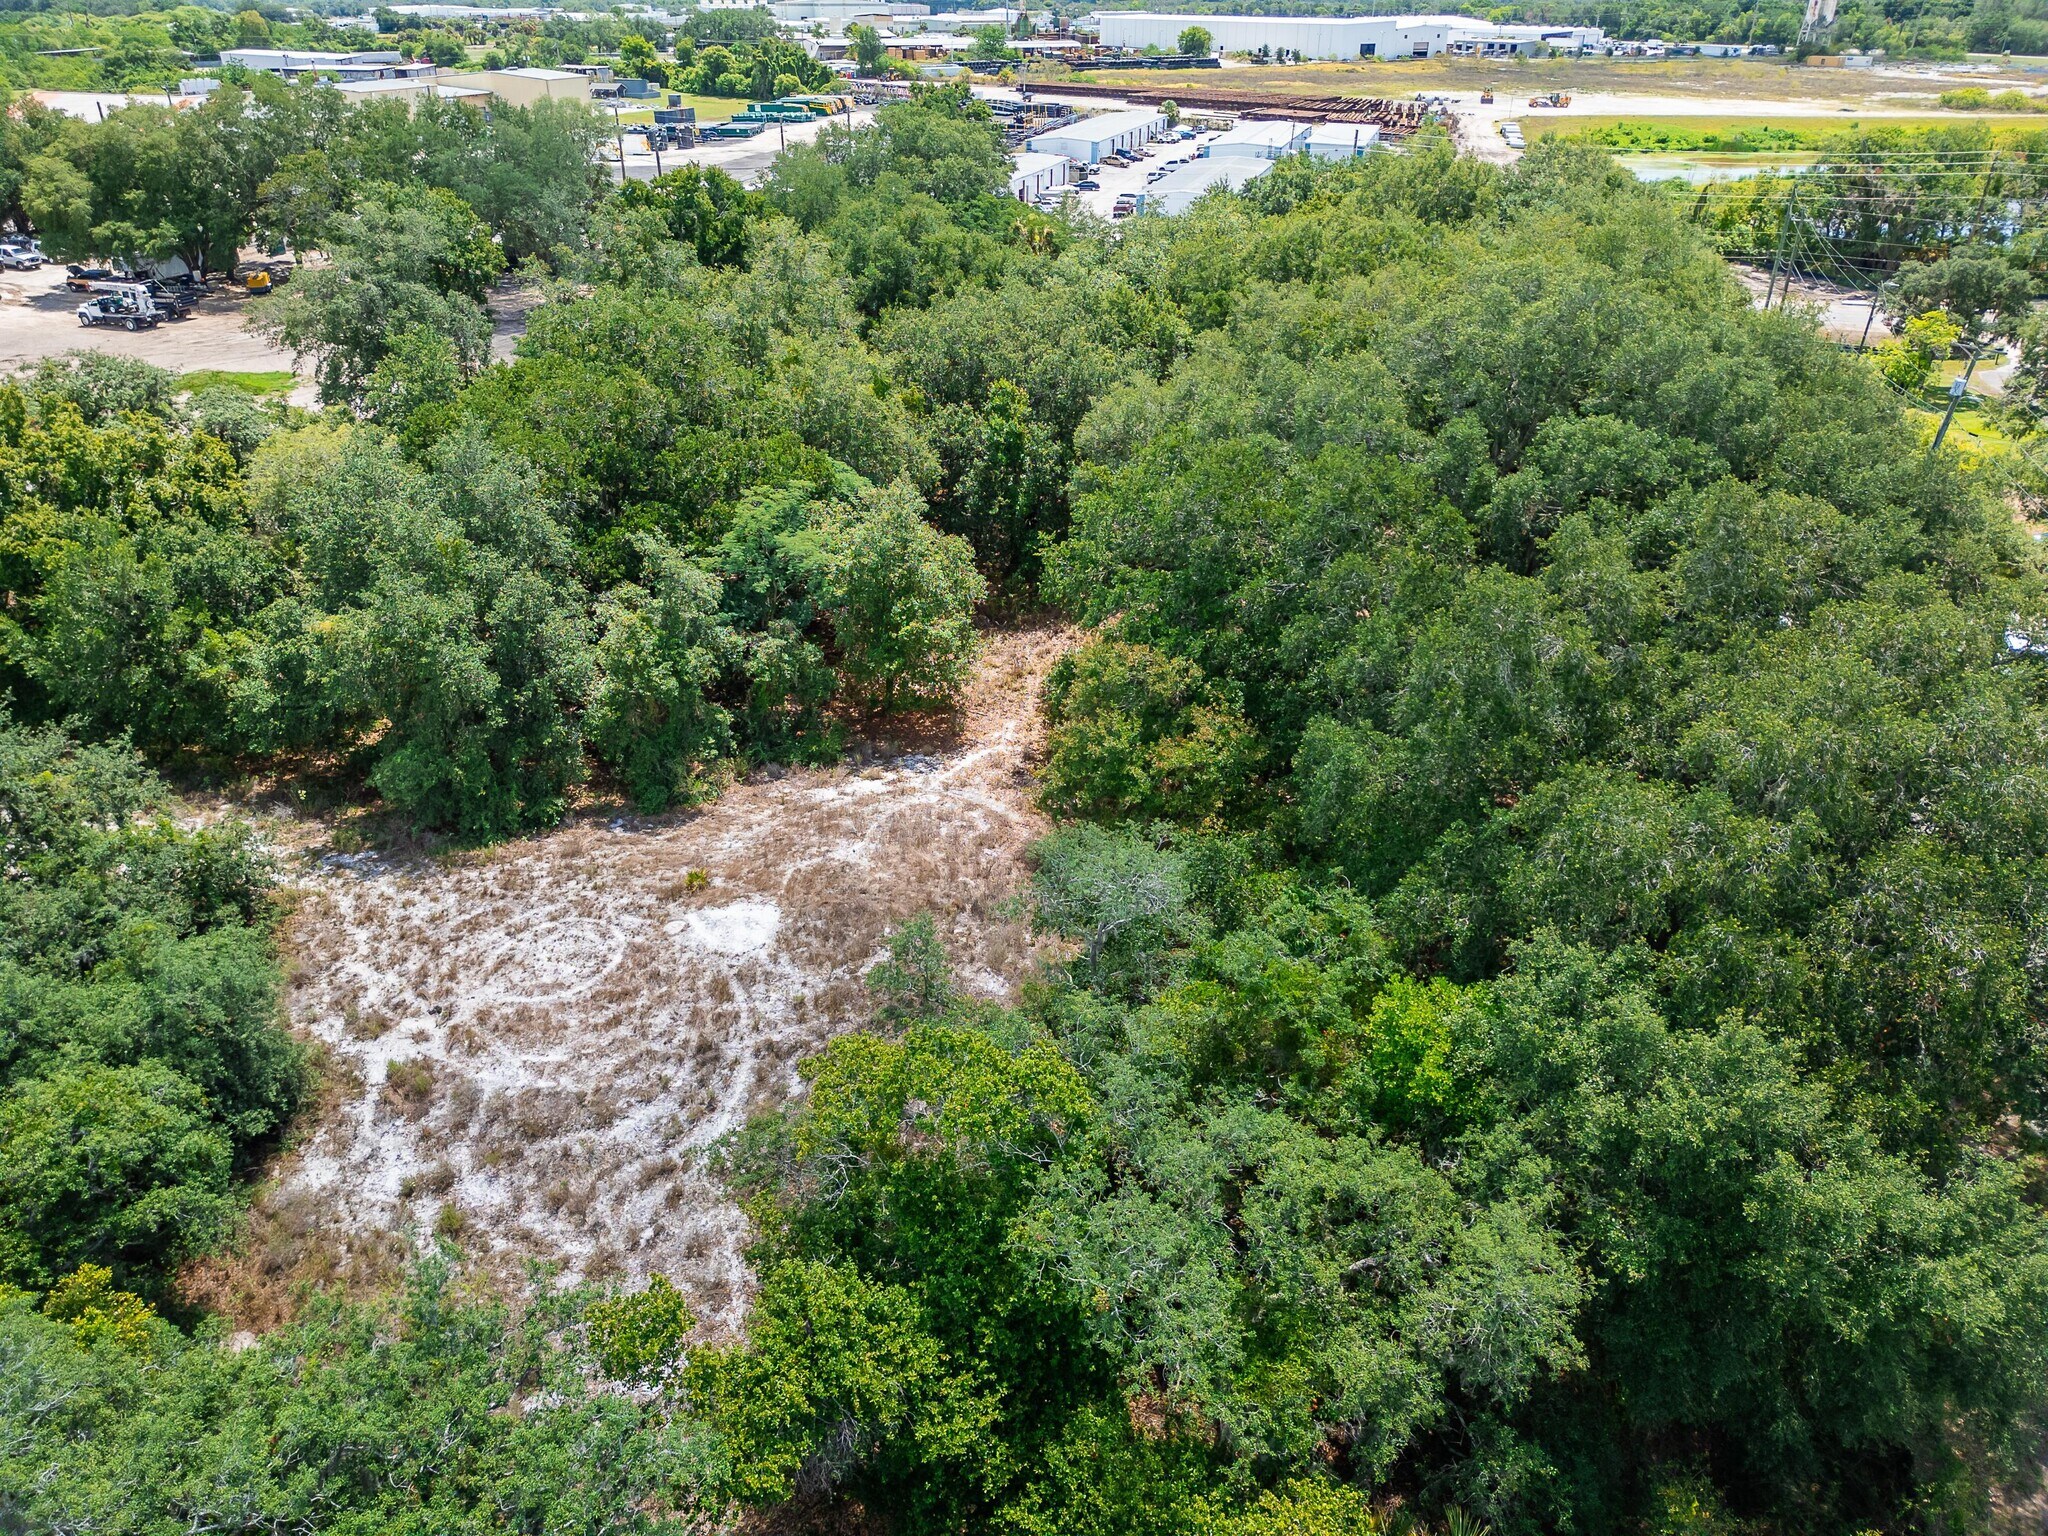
column 38, row 319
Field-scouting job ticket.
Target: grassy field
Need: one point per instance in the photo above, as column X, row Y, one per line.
column 1809, row 131
column 710, row 109
column 277, row 382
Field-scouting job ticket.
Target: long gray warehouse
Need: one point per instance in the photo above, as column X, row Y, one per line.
column 1344, row 37
column 1088, row 139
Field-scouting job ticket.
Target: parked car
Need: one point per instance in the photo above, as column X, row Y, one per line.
column 80, row 279
column 1088, row 184
column 117, row 309
column 20, row 258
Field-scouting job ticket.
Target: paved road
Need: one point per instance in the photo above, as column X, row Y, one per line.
column 745, row 160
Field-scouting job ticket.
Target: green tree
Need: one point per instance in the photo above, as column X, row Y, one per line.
column 117, row 1165
column 637, row 57
column 900, row 596
column 1194, row 40
column 639, row 1336
column 1908, row 360
column 992, row 42
column 402, row 260
column 703, row 208
column 662, row 647
column 866, row 42
column 1135, row 733
column 916, row 981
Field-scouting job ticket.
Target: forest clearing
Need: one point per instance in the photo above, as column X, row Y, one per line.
column 546, row 1036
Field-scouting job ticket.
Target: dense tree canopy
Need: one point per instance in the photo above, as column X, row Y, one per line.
column 1552, row 832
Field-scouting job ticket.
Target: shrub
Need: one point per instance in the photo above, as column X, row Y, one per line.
column 1138, row 733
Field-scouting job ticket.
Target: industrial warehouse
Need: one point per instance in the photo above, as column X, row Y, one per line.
column 1349, row 37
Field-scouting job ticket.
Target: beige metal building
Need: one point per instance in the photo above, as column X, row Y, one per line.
column 524, row 87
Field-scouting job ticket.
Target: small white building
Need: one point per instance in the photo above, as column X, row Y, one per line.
column 1341, row 141
column 1258, row 140
column 967, row 21
column 1033, row 175
column 411, row 92
column 845, row 10
column 1088, row 139
column 1175, row 191
column 377, row 64
column 480, row 13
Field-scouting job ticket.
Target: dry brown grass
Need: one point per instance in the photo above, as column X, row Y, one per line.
column 547, row 1035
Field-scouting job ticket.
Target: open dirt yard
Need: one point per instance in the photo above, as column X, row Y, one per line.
column 532, row 1047
column 38, row 319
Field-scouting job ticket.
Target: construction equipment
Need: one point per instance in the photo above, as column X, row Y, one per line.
column 1550, row 99
column 1486, row 97
column 168, row 303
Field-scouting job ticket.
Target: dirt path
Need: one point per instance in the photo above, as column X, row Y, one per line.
column 544, row 1038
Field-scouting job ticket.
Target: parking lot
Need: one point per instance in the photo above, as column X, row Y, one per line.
column 38, row 319
column 1121, row 180
column 745, row 160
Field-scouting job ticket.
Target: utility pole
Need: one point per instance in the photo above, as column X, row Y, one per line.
column 1864, row 343
column 1956, row 392
column 1778, row 260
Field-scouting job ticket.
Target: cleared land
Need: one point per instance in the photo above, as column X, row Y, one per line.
column 532, row 1048
column 1720, row 81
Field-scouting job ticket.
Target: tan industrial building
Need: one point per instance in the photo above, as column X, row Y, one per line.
column 524, row 87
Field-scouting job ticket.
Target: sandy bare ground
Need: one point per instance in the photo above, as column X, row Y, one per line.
column 545, row 1038
column 38, row 319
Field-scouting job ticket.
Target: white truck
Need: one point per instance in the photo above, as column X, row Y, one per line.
column 127, row 305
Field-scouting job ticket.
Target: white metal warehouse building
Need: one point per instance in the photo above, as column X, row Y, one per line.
column 1341, row 37
column 1253, row 140
column 1088, row 139
column 1034, row 175
column 1250, row 140
column 1173, row 192
column 1341, row 141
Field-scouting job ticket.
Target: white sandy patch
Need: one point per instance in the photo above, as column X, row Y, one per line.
column 744, row 928
column 577, row 1022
